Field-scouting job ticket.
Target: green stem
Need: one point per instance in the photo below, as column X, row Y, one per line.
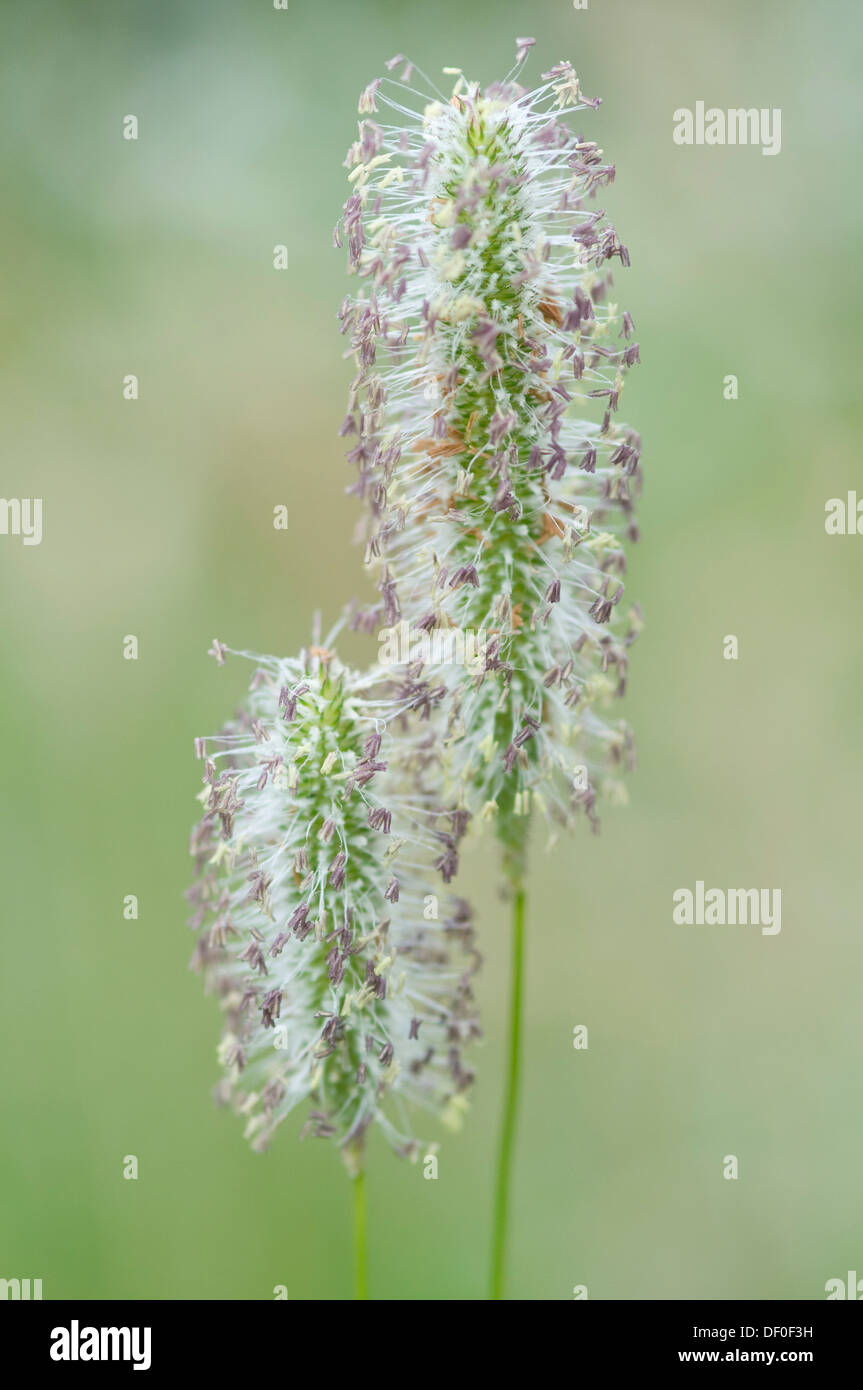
column 507, row 1132
column 360, row 1258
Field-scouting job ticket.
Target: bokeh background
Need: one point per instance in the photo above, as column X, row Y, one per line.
column 155, row 258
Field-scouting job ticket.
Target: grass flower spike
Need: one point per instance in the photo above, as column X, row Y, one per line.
column 341, row 982
column 490, row 367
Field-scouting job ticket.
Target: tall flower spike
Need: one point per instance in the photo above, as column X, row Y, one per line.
column 490, row 366
column 315, row 874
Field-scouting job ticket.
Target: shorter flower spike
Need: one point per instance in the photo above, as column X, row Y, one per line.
column 315, row 903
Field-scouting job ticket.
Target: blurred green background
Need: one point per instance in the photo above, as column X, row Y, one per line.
column 155, row 258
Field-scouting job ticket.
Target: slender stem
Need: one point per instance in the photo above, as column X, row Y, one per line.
column 507, row 1132
column 360, row 1260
